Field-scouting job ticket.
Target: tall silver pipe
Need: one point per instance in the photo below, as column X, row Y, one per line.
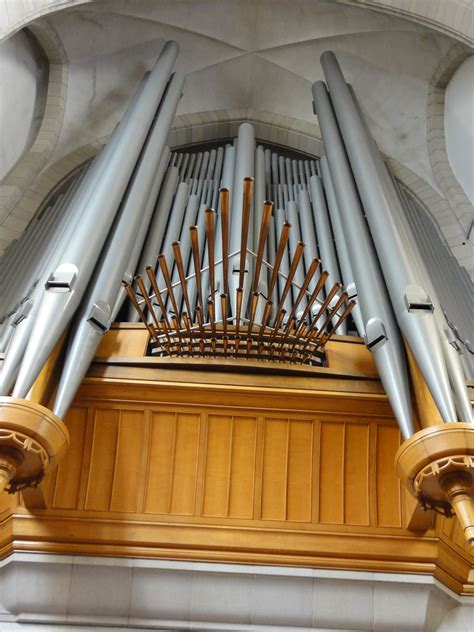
column 190, row 217
column 382, row 334
column 342, row 252
column 308, row 232
column 173, row 228
column 280, row 219
column 294, row 238
column 24, row 328
column 244, row 168
column 325, row 241
column 409, row 298
column 144, row 229
column 68, row 281
column 48, row 236
column 95, row 314
column 156, row 232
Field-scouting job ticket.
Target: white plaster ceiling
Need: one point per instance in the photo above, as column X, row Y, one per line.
column 259, row 54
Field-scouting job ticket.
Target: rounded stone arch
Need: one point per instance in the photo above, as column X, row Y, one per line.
column 19, row 192
column 462, row 209
column 452, row 17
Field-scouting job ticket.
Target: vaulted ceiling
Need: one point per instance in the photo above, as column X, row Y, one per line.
column 261, row 55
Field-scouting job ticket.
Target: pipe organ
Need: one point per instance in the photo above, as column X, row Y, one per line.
column 245, row 253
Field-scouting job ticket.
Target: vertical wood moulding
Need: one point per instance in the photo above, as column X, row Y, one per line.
column 202, row 465
column 243, row 464
column 287, row 462
column 103, row 458
column 356, row 474
column 217, row 465
column 316, row 493
column 66, row 480
column 129, row 455
column 86, row 461
column 160, row 464
column 373, row 474
column 144, row 462
column 229, row 466
column 300, row 470
column 258, row 493
column 275, row 454
column 331, row 505
column 388, row 486
column 184, row 487
column 173, row 461
column 116, row 460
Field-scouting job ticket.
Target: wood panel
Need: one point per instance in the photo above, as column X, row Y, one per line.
column 296, row 480
column 331, row 457
column 356, row 474
column 389, row 512
column 230, row 466
column 162, row 447
column 242, row 467
column 103, row 458
column 300, row 471
column 67, row 478
column 198, row 462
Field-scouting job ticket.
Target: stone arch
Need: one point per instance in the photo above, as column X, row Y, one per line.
column 20, row 194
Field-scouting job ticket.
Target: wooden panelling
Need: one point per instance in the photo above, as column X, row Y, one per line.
column 203, row 463
column 126, row 485
column 230, row 466
column 103, row 459
column 282, row 475
column 356, row 474
column 388, row 485
column 162, row 447
column 342, row 355
column 242, row 467
column 68, row 474
column 124, row 342
column 218, row 465
column 275, row 469
column 300, row 471
column 331, row 477
column 183, row 489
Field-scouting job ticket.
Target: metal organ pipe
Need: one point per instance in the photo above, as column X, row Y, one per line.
column 69, row 279
column 341, row 246
column 244, row 168
column 382, row 334
column 410, row 299
column 95, row 314
column 142, row 231
column 156, row 230
column 325, row 239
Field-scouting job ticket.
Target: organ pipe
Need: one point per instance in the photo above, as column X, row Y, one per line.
column 238, row 251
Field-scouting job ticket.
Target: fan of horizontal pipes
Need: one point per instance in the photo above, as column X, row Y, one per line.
column 253, row 324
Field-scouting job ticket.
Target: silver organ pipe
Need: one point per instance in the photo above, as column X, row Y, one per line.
column 287, row 232
column 409, row 297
